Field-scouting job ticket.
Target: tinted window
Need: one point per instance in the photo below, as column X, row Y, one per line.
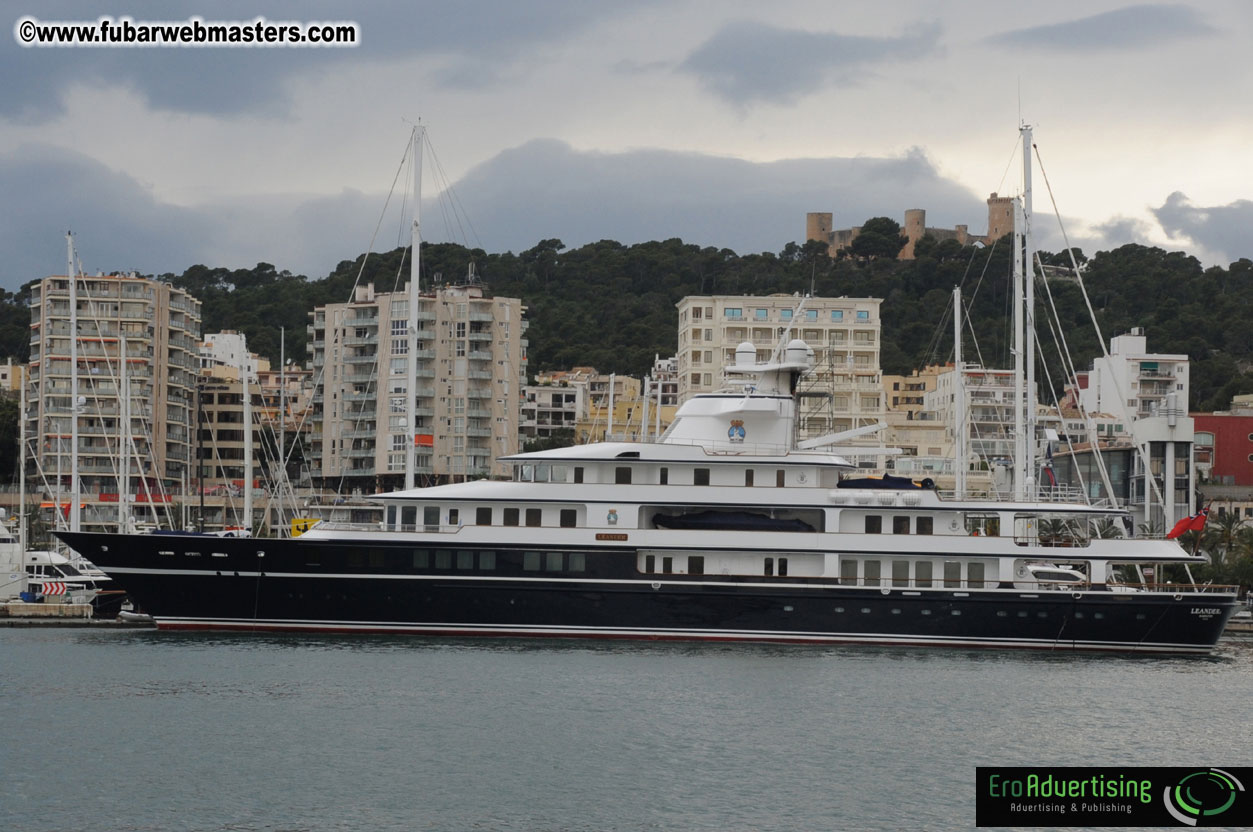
column 874, row 524
column 569, row 517
column 483, row 516
column 533, row 516
column 511, row 517
column 700, row 476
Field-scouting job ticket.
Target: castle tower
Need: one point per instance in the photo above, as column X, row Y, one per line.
column 1000, row 216
column 818, row 227
column 915, row 227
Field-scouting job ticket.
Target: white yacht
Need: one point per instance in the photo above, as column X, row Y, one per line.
column 723, row 529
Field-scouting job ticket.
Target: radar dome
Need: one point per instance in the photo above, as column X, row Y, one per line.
column 745, row 354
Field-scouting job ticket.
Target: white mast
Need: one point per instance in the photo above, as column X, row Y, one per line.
column 415, row 263
column 1020, row 443
column 21, row 476
column 124, row 469
column 75, row 497
column 243, row 372
column 645, row 420
column 959, row 399
column 609, row 429
column 1028, row 257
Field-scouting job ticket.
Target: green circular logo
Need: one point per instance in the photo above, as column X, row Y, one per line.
column 1202, row 796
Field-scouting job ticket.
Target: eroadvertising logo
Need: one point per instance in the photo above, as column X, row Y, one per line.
column 1113, row 796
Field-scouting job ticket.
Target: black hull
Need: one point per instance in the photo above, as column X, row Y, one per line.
column 323, row 586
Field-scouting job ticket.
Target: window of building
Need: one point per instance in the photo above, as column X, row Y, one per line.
column 622, row 475
column 863, row 315
column 533, row 516
column 900, row 525
column 874, row 524
column 700, row 476
column 511, row 517
column 569, row 517
column 811, row 314
column 483, row 516
column 837, row 314
column 785, row 314
column 735, row 314
column 761, row 314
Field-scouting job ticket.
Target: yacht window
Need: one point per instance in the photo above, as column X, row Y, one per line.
column 779, row 478
column 848, row 571
column 952, row 573
column 560, row 473
column 487, row 561
column 511, row 517
column 900, row 525
column 922, row 573
column 465, row 559
column 530, row 561
column 408, row 518
column 430, row 518
column 552, row 562
column 533, row 516
column 924, row 525
column 569, row 517
column 443, row 559
column 769, row 567
column 421, row 558
column 667, row 565
column 454, row 517
column 483, row 516
column 664, row 477
column 748, row 477
column 578, row 562
column 578, row 473
column 782, row 567
column 874, row 524
column 528, row 473
column 650, row 563
column 541, row 473
column 391, row 517
column 622, row 475
column 872, row 573
column 900, row 573
column 974, row 575
column 700, row 476
column 696, row 565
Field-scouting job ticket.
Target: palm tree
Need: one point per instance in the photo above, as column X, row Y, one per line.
column 1220, row 534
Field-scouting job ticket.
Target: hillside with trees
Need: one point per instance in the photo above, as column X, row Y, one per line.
column 612, row 306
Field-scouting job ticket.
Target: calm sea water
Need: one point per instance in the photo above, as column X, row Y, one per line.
column 137, row 730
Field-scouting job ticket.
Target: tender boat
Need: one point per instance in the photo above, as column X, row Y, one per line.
column 724, row 529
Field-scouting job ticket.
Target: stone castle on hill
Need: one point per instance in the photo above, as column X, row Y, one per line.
column 1000, row 223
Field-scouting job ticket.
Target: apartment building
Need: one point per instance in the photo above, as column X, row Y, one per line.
column 846, row 388
column 471, row 368
column 1134, row 381
column 160, row 327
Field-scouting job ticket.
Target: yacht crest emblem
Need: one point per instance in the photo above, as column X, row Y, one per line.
column 613, row 517
column 736, row 432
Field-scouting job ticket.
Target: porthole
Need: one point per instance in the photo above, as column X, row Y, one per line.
column 1098, row 615
column 896, row 612
column 1078, row 615
column 1042, row 615
column 865, row 609
column 925, row 612
column 1140, row 616
column 1022, row 613
column 839, row 609
column 955, row 612
column 1001, row 614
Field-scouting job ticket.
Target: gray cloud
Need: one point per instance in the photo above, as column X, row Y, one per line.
column 539, row 190
column 748, row 62
column 1222, row 229
column 1126, row 28
column 1120, row 230
column 489, row 34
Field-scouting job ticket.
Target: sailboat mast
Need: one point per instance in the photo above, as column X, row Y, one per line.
column 959, row 400
column 243, row 372
column 21, row 472
column 124, row 468
column 75, row 497
column 1028, row 257
column 1020, row 452
column 415, row 265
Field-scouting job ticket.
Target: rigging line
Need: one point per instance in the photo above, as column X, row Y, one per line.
column 1141, row 447
column 1068, row 364
column 974, row 337
column 1048, row 376
column 455, row 201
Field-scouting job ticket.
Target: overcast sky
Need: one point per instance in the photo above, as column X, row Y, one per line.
column 723, row 123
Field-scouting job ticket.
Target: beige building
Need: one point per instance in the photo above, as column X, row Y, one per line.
column 818, row 227
column 161, row 328
column 471, row 368
column 846, row 388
